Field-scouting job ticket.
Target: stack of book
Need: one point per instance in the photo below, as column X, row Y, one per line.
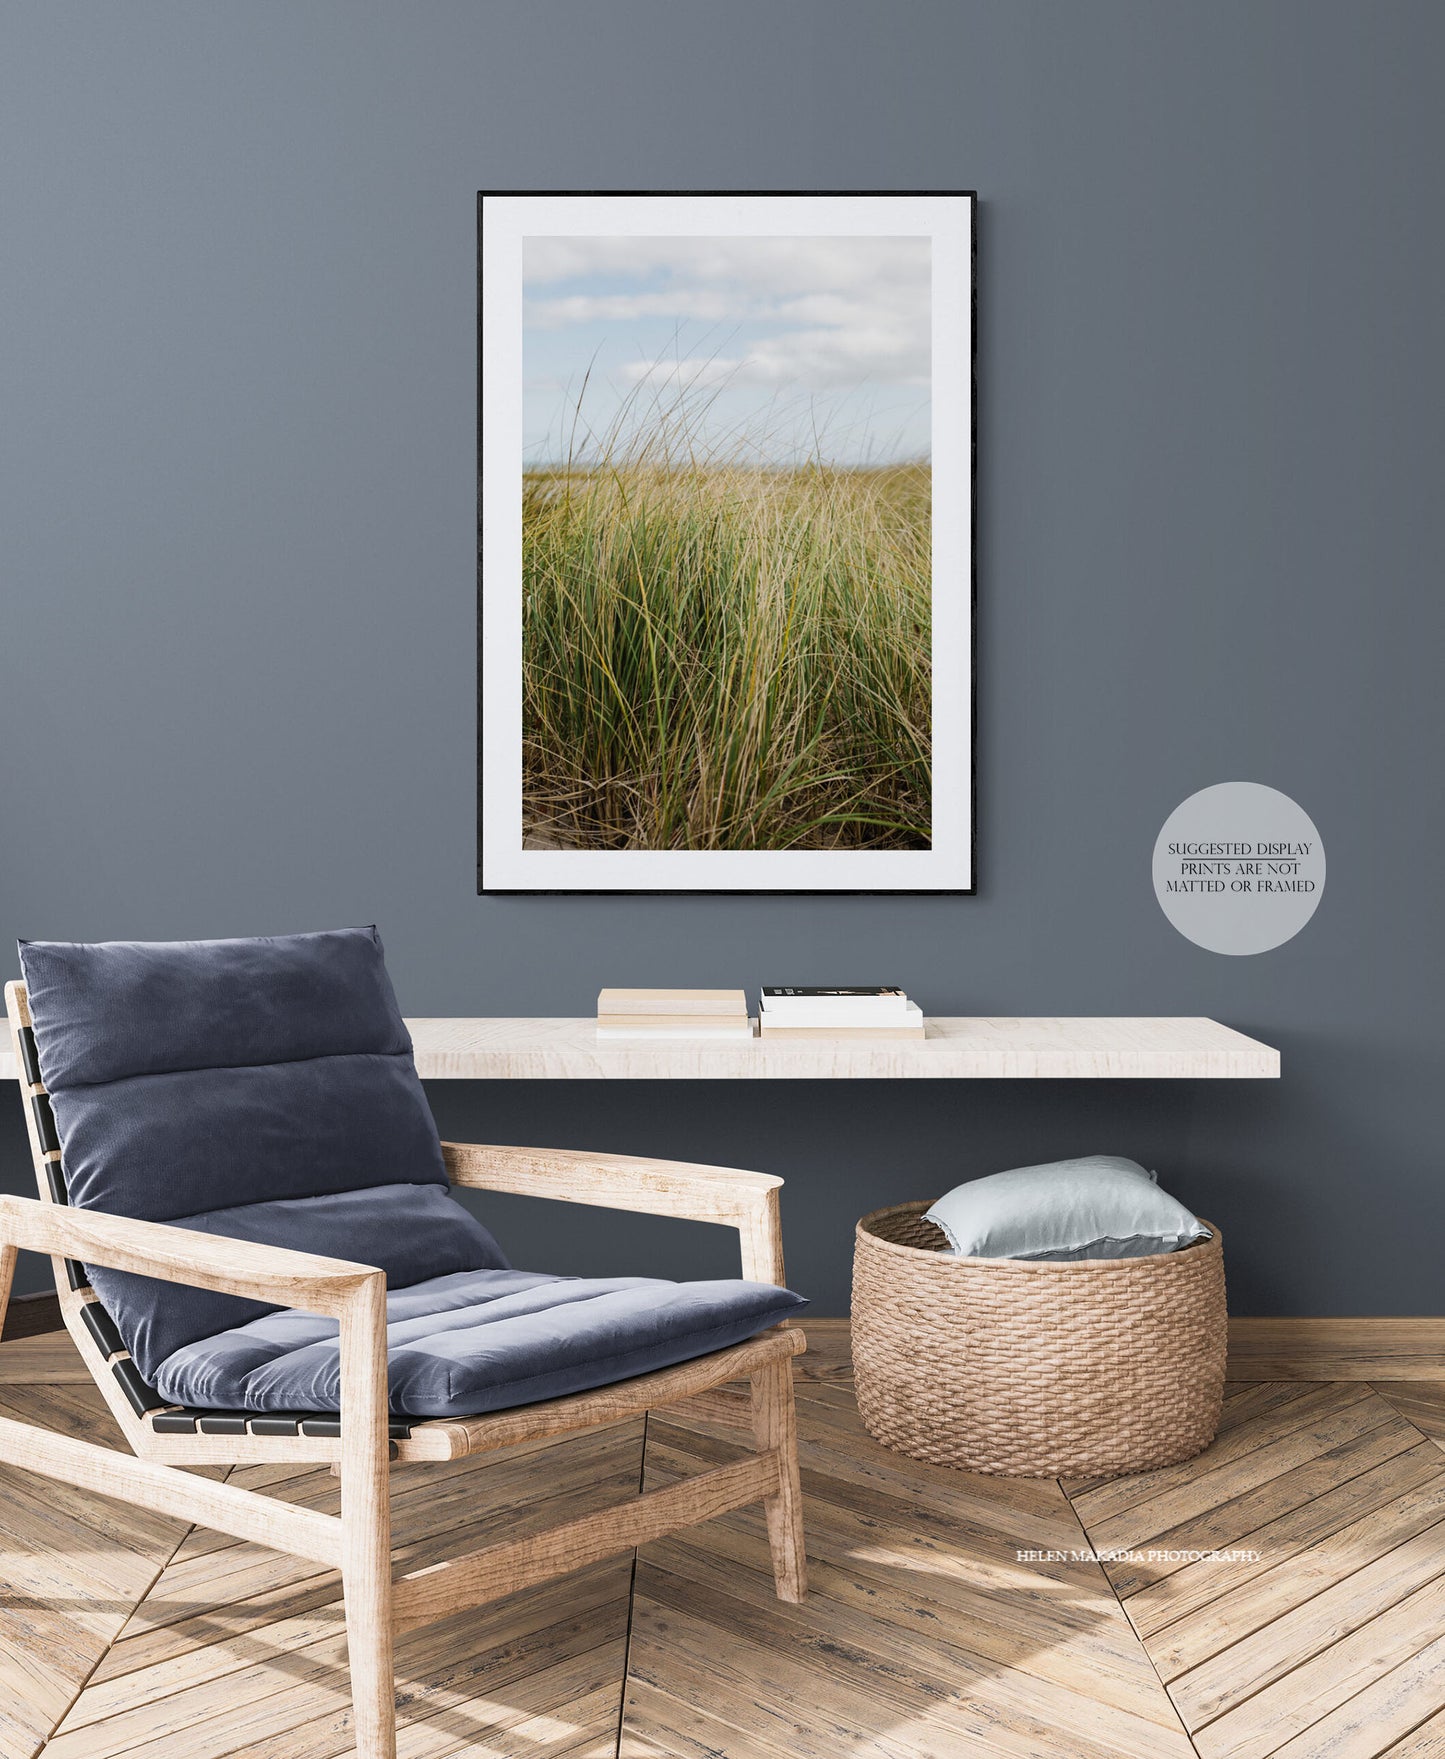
column 839, row 1013
column 673, row 1013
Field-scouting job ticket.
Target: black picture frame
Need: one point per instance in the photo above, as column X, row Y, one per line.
column 970, row 889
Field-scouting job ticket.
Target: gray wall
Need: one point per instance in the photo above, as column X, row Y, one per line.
column 236, row 552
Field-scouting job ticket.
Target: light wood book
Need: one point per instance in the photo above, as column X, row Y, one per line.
column 633, row 1002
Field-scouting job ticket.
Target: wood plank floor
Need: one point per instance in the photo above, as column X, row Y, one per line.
column 1313, row 1631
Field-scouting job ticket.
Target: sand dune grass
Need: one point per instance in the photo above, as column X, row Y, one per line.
column 725, row 656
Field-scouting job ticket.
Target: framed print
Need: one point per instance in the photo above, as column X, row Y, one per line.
column 726, row 539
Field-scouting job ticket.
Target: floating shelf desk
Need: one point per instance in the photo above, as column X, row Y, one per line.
column 1086, row 1048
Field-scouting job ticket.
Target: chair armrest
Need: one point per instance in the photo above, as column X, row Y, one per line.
column 353, row 1294
column 736, row 1199
column 180, row 1255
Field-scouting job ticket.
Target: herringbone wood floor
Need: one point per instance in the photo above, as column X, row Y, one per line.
column 925, row 1636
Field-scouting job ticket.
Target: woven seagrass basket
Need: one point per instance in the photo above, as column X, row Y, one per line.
column 1035, row 1370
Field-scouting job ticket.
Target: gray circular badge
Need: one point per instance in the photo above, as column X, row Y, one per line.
column 1239, row 868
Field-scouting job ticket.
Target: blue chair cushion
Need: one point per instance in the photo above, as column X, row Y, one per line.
column 412, row 1232
column 260, row 1089
column 478, row 1341
column 196, row 1075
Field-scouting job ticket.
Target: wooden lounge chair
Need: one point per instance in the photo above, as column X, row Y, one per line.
column 363, row 1436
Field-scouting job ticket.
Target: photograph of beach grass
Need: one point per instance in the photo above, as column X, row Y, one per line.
column 726, row 543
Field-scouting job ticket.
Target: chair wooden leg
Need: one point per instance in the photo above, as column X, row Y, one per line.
column 775, row 1425
column 366, row 1528
column 366, row 1577
column 7, row 1278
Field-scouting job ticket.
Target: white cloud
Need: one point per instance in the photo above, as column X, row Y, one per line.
column 820, row 359
column 621, row 308
column 846, row 310
column 718, row 369
column 779, row 266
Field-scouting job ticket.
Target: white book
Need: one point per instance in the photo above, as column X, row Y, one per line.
column 907, row 1023
column 826, row 1006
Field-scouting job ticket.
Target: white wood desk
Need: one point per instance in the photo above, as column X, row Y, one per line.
column 956, row 1049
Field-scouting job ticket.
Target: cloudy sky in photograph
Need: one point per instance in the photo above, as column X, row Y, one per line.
column 797, row 346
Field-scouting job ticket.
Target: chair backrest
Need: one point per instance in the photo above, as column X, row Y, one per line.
column 81, row 1313
column 257, row 1089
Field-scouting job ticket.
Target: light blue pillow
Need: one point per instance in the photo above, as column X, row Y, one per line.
column 1098, row 1206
